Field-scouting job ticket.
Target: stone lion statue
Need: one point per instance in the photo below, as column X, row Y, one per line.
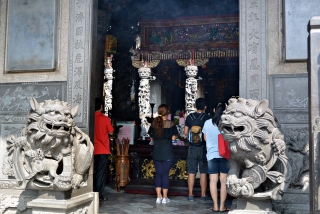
column 259, row 167
column 52, row 153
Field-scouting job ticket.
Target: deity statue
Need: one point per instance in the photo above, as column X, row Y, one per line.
column 138, row 41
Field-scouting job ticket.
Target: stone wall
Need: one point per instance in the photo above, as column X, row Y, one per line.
column 264, row 74
column 16, row 89
column 288, row 96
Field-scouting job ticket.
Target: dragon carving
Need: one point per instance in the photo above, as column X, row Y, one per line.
column 148, row 168
column 52, row 153
column 259, row 167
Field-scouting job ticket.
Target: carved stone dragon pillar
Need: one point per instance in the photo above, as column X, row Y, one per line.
column 144, row 95
column 108, row 85
column 191, row 88
column 190, row 66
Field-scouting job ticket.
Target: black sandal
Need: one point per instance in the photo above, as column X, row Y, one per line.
column 225, row 209
column 215, row 211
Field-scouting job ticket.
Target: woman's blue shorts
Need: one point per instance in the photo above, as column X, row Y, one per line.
column 218, row 165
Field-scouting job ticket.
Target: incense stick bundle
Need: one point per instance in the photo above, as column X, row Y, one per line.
column 126, row 151
column 123, row 139
column 118, row 146
column 123, row 147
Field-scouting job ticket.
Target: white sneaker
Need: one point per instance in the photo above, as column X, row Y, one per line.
column 165, row 200
column 159, row 200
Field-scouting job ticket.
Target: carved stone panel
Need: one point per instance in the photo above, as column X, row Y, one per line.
column 297, row 149
column 289, row 92
column 14, row 97
column 294, row 117
column 289, row 98
column 6, row 130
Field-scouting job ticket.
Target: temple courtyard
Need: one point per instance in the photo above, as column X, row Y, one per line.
column 121, row 203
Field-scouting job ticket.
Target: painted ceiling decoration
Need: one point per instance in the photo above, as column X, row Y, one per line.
column 188, row 38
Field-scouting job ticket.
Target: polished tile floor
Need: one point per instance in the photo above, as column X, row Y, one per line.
column 121, row 203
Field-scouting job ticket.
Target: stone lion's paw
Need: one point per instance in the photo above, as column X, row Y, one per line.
column 247, row 190
column 76, row 181
column 231, row 180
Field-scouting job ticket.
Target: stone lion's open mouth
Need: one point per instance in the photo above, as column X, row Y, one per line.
column 58, row 127
column 232, row 129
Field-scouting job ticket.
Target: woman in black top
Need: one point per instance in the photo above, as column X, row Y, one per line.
column 162, row 132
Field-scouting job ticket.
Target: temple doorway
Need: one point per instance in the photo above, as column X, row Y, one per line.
column 156, row 34
column 218, row 78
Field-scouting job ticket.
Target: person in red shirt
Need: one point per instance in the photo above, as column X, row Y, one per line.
column 102, row 130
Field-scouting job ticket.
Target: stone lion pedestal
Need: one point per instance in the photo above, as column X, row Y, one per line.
column 45, row 202
column 48, row 166
column 249, row 206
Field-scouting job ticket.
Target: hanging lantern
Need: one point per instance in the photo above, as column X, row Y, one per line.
column 111, row 45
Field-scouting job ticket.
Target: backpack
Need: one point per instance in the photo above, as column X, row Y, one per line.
column 195, row 132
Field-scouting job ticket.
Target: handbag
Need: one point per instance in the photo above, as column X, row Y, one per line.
column 223, row 147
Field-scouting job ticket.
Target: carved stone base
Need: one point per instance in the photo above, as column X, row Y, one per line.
column 86, row 203
column 15, row 201
column 32, row 201
column 293, row 202
column 249, row 206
